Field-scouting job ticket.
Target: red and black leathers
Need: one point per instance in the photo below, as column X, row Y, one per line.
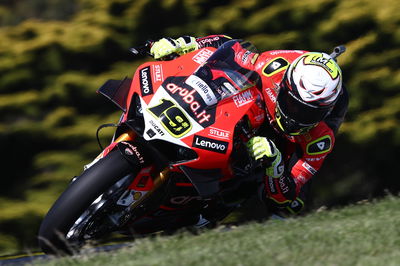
column 303, row 154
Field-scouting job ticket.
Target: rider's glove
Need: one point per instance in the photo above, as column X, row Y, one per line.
column 187, row 44
column 264, row 150
column 167, row 46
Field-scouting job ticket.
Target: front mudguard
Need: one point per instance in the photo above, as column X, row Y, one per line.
column 135, row 153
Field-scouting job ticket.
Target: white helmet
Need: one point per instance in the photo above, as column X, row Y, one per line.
column 308, row 92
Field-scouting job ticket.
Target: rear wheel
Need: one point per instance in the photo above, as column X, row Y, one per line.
column 83, row 210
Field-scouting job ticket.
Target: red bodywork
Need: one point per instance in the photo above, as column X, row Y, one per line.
column 180, row 106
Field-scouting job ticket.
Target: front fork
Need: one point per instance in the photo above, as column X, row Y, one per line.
column 127, row 145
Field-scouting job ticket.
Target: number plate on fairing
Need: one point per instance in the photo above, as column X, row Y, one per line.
column 165, row 118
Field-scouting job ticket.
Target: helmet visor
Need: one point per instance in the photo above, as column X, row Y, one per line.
column 294, row 116
column 298, row 110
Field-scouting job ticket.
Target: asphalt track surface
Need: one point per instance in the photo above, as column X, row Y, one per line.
column 29, row 258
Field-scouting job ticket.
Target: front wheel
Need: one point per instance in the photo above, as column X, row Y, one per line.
column 80, row 198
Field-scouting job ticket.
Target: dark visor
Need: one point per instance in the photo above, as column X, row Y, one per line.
column 302, row 113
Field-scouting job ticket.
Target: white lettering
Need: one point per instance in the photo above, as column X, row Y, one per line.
column 283, row 186
column 158, row 74
column 219, row 133
column 209, row 144
column 156, row 128
column 135, row 151
column 243, row 98
column 145, row 81
column 203, row 89
column 188, row 98
column 270, row 95
column 202, row 56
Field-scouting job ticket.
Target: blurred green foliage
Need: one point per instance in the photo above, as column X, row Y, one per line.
column 54, row 54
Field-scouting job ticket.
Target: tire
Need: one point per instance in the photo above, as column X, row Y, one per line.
column 77, row 198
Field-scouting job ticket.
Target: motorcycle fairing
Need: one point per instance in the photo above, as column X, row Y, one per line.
column 188, row 96
column 117, row 92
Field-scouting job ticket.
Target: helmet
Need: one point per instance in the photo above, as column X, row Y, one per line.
column 309, row 90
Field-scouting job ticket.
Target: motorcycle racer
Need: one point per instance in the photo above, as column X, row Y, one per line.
column 305, row 104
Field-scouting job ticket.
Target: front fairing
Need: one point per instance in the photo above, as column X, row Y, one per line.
column 195, row 103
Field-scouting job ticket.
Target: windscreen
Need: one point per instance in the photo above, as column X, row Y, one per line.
column 221, row 76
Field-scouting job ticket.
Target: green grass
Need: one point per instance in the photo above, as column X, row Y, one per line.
column 364, row 234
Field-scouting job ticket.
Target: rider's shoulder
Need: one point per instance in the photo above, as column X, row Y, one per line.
column 289, row 55
column 319, row 140
column 274, row 61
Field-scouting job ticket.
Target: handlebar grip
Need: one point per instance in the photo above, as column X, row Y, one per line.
column 143, row 49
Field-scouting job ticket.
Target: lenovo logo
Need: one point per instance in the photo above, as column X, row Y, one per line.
column 210, row 144
column 145, row 81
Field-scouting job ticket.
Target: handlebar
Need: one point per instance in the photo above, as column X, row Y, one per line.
column 145, row 50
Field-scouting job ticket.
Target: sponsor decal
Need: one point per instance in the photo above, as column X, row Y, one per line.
column 277, row 65
column 191, row 101
column 133, row 150
column 202, row 56
column 203, row 89
column 309, row 168
column 282, row 185
column 243, row 98
column 319, row 146
column 328, row 64
column 128, row 151
column 158, row 73
column 146, row 86
column 157, row 128
column 205, row 41
column 285, row 51
column 315, row 159
column 219, row 133
column 210, row 144
column 245, row 57
column 270, row 94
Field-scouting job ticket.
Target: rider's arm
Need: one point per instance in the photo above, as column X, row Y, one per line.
column 312, row 149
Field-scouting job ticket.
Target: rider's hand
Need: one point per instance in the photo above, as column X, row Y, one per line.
column 264, row 150
column 167, row 46
column 187, row 44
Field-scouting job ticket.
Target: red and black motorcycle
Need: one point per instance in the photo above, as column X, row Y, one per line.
column 178, row 156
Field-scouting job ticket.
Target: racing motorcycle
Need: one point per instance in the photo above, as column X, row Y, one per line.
column 177, row 158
